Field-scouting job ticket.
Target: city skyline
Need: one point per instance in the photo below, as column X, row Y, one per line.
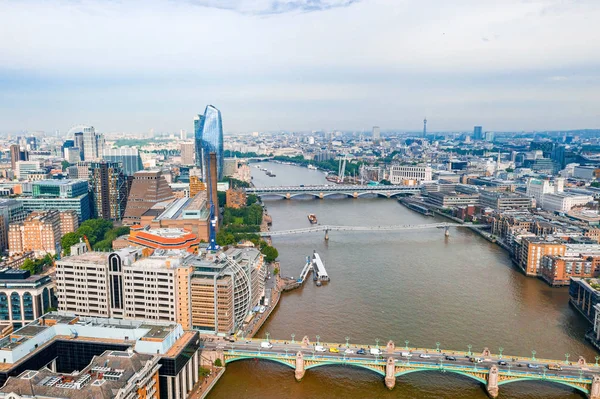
column 272, row 66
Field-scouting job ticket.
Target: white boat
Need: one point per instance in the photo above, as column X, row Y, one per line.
column 313, row 167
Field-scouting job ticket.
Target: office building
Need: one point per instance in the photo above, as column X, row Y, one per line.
column 208, row 134
column 23, row 297
column 564, row 202
column 109, row 190
column 230, row 167
column 187, row 153
column 93, row 144
column 60, row 195
column 419, row 173
column 586, row 172
column 11, row 211
column 64, row 355
column 489, row 136
column 147, row 189
column 161, row 238
column 537, row 188
column 236, row 198
column 477, row 133
column 190, row 214
column 24, row 168
column 130, row 159
column 584, row 296
column 72, row 155
column 376, row 133
column 502, row 200
column 80, row 170
column 452, row 199
column 225, row 288
column 16, row 155
column 39, row 233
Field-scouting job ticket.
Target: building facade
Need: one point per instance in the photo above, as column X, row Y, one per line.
column 39, row 233
column 11, row 211
column 147, row 189
column 208, row 133
column 61, row 195
column 109, row 190
column 558, row 270
column 128, row 157
column 398, row 173
column 533, row 249
column 188, row 153
column 23, row 297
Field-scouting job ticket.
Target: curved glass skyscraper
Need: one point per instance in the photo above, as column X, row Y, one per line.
column 208, row 133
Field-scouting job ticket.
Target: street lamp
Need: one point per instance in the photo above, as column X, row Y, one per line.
column 318, row 340
column 286, row 352
column 377, row 342
column 293, row 335
column 533, row 355
column 597, row 358
column 508, row 368
column 470, row 346
column 313, row 354
column 406, row 343
column 567, row 358
column 580, row 374
column 437, row 344
column 347, row 339
column 267, row 334
column 500, row 349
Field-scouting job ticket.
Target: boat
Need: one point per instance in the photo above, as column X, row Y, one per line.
column 312, row 218
column 312, row 167
column 332, row 178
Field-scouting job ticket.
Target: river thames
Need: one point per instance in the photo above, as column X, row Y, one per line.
column 412, row 285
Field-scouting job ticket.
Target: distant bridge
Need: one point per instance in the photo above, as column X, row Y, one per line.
column 328, row 228
column 325, row 191
column 391, row 362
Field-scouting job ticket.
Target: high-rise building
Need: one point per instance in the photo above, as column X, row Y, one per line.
column 69, row 222
column 208, row 134
column 196, row 185
column 148, row 188
column 24, row 168
column 182, row 134
column 39, row 233
column 424, row 127
column 11, row 211
column 109, row 190
column 92, row 143
column 187, row 153
column 128, row 156
column 16, row 155
column 78, row 143
column 72, row 154
column 477, row 133
column 376, row 134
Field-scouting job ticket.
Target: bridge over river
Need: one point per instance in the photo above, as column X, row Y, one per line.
column 404, row 227
column 391, row 362
column 326, row 191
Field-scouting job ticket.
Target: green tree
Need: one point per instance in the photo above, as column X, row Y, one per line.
column 65, row 165
column 270, row 253
column 68, row 240
column 30, row 266
column 218, row 363
column 385, row 182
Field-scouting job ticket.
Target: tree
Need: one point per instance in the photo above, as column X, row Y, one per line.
column 270, row 253
column 276, row 271
column 218, row 363
column 68, row 240
column 385, row 182
column 65, row 165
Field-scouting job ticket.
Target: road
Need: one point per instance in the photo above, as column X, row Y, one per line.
column 515, row 366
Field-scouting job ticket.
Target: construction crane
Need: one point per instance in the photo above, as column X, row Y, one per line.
column 87, row 243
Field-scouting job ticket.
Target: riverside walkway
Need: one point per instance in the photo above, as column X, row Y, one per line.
column 391, row 362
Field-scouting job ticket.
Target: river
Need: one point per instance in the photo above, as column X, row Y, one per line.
column 418, row 286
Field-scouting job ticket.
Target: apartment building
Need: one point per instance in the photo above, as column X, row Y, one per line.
column 69, row 222
column 23, row 297
column 533, row 249
column 504, row 200
column 558, row 270
column 39, row 233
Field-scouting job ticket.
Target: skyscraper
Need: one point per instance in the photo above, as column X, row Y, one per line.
column 187, row 153
column 93, row 144
column 425, row 128
column 376, row 134
column 477, row 133
column 128, row 156
column 208, row 134
column 109, row 190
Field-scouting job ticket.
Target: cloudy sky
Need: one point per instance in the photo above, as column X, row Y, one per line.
column 132, row 65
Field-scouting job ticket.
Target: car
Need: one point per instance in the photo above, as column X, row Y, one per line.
column 424, row 356
column 533, row 366
column 502, row 363
column 361, row 351
column 451, row 358
column 320, row 348
column 348, row 351
column 375, row 351
column 333, row 349
column 520, row 365
column 266, row 345
column 554, row 366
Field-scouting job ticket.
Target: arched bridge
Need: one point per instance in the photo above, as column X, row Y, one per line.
column 391, row 362
column 328, row 228
column 326, row 191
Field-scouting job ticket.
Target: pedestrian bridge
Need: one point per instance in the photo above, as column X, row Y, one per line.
column 326, row 191
column 392, row 363
column 328, row 228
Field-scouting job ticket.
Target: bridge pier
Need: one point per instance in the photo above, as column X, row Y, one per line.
column 299, row 373
column 326, row 235
column 390, row 373
column 492, row 383
column 390, row 347
column 321, row 195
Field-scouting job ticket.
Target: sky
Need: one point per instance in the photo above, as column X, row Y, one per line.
column 271, row 65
